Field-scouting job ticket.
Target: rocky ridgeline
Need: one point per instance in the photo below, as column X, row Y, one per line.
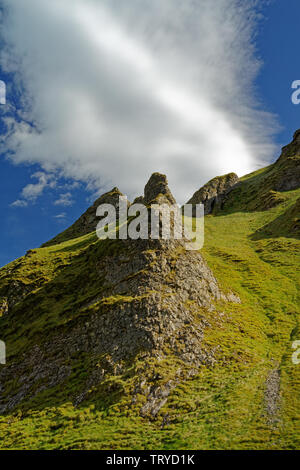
column 88, row 221
column 282, row 176
column 156, row 192
column 151, row 302
column 262, row 192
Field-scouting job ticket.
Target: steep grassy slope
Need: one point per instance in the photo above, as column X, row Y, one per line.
column 239, row 390
column 234, row 403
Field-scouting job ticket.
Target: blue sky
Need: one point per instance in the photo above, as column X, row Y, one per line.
column 59, row 201
column 277, row 45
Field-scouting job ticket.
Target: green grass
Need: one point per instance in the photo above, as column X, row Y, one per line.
column 252, row 253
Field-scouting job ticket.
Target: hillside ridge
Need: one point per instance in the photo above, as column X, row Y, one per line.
column 186, row 349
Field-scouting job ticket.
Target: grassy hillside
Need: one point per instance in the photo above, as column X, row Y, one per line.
column 248, row 399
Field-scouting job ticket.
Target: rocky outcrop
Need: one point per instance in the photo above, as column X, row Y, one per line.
column 12, row 293
column 292, row 149
column 264, row 189
column 88, row 221
column 150, row 302
column 213, row 193
column 157, row 193
column 139, row 200
column 272, row 397
column 157, row 190
column 287, row 176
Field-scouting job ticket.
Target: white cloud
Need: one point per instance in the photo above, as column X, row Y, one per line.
column 117, row 90
column 63, row 215
column 60, row 218
column 19, row 203
column 32, row 191
column 64, row 200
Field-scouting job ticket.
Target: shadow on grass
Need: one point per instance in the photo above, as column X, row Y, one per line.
column 285, row 225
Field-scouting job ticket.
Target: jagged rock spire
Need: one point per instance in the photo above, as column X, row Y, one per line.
column 157, row 190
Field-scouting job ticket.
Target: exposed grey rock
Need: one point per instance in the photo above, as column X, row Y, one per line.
column 157, row 193
column 150, row 293
column 156, row 399
column 272, row 396
column 290, row 180
column 157, row 190
column 287, row 176
column 150, row 301
column 16, row 292
column 213, row 193
column 292, row 149
column 139, row 200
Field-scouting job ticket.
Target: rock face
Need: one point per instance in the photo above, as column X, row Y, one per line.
column 88, row 221
column 157, row 193
column 287, row 176
column 157, row 190
column 213, row 193
column 149, row 300
column 292, row 149
column 139, row 200
column 150, row 293
column 272, row 396
column 12, row 293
